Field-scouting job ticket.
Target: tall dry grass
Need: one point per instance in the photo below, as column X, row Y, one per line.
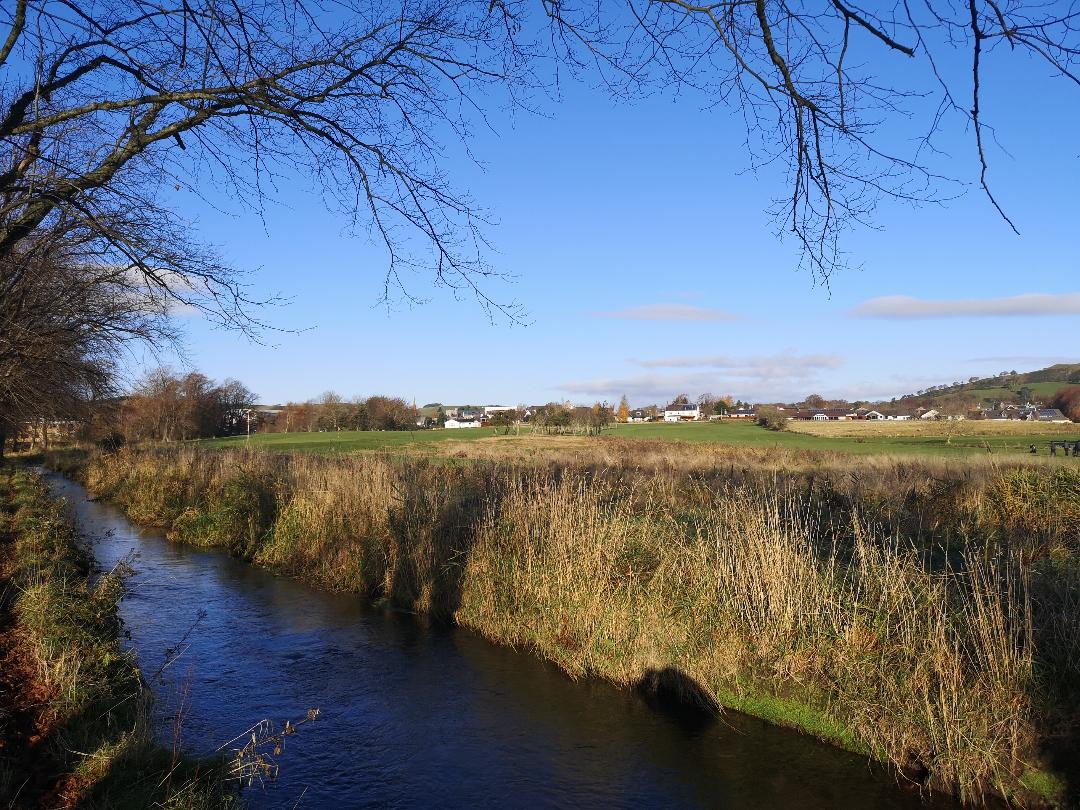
column 90, row 707
column 970, row 428
column 923, row 613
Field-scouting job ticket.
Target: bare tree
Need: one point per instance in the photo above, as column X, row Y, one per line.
column 62, row 323
column 331, row 410
column 811, row 82
column 108, row 110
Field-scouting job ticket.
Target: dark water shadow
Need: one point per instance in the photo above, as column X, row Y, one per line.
column 675, row 694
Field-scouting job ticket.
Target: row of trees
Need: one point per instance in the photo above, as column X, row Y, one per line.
column 110, row 112
column 559, row 418
column 166, row 406
column 332, row 412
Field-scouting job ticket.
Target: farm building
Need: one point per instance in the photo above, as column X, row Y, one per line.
column 462, row 423
column 822, row 415
column 690, row 413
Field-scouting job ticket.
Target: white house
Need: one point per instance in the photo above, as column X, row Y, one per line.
column 930, row 414
column 873, row 416
column 901, row 417
column 691, row 413
column 457, row 423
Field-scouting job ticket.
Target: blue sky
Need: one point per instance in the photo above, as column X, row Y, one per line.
column 643, row 255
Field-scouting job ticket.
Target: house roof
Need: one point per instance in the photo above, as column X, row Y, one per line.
column 1049, row 414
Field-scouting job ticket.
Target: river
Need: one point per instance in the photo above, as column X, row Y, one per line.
column 419, row 714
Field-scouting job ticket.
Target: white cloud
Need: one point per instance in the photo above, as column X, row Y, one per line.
column 904, row 306
column 782, row 376
column 670, row 312
column 785, row 364
column 660, row 388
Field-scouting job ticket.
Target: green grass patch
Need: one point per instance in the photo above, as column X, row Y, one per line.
column 1041, row 390
column 940, row 443
column 795, row 715
column 347, row 441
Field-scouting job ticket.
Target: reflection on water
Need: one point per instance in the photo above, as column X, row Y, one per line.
column 416, row 714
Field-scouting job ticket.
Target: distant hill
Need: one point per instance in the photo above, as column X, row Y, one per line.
column 1008, row 386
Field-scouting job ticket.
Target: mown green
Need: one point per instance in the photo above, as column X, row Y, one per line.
column 730, row 432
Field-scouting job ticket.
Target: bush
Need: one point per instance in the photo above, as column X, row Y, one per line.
column 1068, row 402
column 772, row 418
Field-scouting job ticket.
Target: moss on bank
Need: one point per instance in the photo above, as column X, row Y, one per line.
column 75, row 713
column 921, row 613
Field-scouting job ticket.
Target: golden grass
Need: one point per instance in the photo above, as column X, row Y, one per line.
column 923, row 612
column 971, row 428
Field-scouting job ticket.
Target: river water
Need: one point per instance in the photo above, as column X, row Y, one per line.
column 417, row 714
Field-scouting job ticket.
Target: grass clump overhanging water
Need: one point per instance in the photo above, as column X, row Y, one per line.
column 76, row 710
column 922, row 613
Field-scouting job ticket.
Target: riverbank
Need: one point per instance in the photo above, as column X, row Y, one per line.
column 924, row 616
column 74, row 711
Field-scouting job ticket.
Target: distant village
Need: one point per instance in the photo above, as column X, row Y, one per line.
column 452, row 417
column 167, row 407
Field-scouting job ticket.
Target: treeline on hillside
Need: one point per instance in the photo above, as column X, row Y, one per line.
column 958, row 396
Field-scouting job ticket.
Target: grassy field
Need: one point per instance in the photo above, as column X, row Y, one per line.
column 920, row 438
column 1042, row 391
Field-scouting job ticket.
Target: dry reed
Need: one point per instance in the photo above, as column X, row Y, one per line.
column 922, row 612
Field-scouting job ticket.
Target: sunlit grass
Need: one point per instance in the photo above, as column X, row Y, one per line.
column 862, row 438
column 884, row 605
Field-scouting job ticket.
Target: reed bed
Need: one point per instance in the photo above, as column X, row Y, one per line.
column 923, row 613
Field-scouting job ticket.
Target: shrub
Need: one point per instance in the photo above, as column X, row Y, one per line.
column 1068, row 402
column 771, row 418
